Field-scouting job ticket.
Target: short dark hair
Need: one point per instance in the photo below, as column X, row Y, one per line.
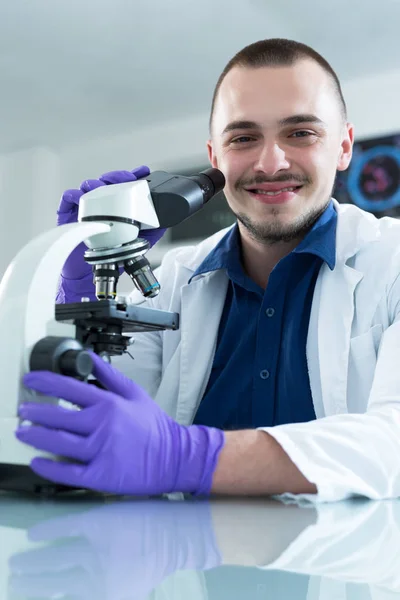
column 277, row 52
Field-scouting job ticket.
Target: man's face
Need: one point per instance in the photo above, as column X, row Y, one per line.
column 279, row 137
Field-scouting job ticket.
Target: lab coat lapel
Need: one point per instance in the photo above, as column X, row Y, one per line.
column 332, row 313
column 336, row 312
column 202, row 302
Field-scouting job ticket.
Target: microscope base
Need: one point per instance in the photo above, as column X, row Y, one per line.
column 21, row 478
column 15, row 458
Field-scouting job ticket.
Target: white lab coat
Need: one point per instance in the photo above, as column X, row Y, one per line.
column 353, row 356
column 352, row 551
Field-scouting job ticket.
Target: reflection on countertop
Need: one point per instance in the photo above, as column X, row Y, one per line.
column 91, row 546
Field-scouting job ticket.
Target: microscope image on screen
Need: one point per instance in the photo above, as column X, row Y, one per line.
column 372, row 181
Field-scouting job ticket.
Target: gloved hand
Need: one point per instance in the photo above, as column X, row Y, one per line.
column 124, row 442
column 76, row 278
column 117, row 551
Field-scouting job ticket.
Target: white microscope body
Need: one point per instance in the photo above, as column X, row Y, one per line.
column 37, row 334
column 28, row 290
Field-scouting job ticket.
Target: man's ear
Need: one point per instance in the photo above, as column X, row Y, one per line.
column 346, row 148
column 211, row 156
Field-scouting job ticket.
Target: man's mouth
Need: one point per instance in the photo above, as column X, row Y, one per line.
column 271, row 189
column 276, row 191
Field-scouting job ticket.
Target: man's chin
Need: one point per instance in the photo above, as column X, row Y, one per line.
column 280, row 226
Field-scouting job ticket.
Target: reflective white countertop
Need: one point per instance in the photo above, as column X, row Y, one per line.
column 90, row 546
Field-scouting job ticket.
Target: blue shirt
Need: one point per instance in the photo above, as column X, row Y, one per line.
column 259, row 376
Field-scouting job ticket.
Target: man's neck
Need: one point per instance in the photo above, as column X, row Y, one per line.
column 259, row 258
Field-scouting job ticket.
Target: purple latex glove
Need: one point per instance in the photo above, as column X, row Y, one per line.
column 119, row 551
column 76, row 278
column 125, row 443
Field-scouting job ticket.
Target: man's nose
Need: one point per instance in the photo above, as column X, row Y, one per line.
column 271, row 159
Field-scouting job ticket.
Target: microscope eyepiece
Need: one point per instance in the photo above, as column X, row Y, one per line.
column 211, row 182
column 177, row 197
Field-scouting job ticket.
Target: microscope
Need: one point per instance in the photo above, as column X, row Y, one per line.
column 40, row 335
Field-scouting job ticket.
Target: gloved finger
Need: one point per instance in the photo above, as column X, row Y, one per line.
column 61, row 386
column 107, row 522
column 68, row 584
column 47, row 569
column 141, row 171
column 69, row 201
column 152, row 235
column 69, row 568
column 61, row 443
column 83, row 422
column 114, row 380
column 117, row 177
column 81, row 273
column 64, row 473
column 90, row 184
column 70, row 525
column 69, row 554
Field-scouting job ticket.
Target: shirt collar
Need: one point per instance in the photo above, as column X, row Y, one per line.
column 225, row 255
column 320, row 241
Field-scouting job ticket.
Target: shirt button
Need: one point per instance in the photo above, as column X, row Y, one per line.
column 270, row 312
column 264, row 374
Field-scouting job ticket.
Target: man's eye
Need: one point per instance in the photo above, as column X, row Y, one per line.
column 242, row 139
column 301, row 134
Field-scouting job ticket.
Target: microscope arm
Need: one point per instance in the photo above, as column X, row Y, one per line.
column 27, row 314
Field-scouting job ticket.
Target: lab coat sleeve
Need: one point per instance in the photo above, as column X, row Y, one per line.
column 353, row 454
column 350, row 542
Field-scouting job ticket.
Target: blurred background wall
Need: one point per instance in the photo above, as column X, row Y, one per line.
column 91, row 86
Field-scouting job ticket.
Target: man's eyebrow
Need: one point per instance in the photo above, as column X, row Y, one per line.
column 299, row 119
column 233, row 125
column 293, row 120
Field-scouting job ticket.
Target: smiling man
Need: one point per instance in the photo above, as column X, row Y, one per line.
column 279, row 134
column 283, row 378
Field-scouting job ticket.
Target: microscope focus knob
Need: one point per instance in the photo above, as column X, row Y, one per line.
column 66, row 356
column 75, row 363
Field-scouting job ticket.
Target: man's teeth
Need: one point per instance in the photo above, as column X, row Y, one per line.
column 288, row 189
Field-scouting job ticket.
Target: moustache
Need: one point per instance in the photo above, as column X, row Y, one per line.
column 298, row 179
